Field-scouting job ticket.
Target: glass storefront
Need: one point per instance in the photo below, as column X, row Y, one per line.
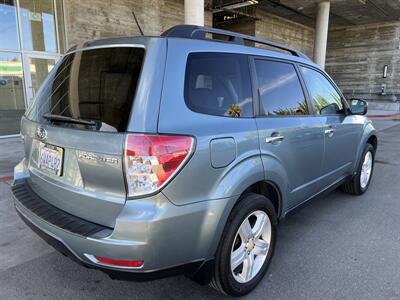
column 12, row 100
column 31, row 41
column 38, row 25
column 8, row 26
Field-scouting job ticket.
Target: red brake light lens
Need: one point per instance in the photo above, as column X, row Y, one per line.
column 151, row 160
column 121, row 263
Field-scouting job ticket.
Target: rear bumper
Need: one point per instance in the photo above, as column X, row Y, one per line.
column 197, row 269
column 169, row 239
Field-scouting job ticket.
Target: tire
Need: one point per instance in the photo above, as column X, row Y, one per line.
column 355, row 186
column 254, row 208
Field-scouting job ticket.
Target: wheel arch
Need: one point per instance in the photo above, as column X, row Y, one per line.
column 373, row 140
column 268, row 189
column 253, row 179
column 369, row 135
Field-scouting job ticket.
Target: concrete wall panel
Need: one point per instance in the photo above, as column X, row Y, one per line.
column 97, row 19
column 356, row 58
column 285, row 31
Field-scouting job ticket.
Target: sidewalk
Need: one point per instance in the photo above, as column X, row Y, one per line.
column 11, row 153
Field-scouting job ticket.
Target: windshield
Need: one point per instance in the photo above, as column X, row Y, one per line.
column 96, row 85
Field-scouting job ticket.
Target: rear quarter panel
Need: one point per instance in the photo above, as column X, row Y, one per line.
column 201, row 179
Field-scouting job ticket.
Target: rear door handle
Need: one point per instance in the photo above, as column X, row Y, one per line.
column 273, row 139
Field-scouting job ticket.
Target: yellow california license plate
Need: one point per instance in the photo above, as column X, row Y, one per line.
column 51, row 158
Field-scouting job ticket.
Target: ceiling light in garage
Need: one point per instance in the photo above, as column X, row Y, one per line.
column 235, row 5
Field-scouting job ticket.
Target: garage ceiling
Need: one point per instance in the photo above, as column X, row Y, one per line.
column 343, row 12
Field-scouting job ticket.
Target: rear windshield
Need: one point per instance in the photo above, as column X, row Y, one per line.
column 90, row 89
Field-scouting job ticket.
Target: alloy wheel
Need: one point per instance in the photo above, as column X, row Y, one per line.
column 366, row 170
column 251, row 246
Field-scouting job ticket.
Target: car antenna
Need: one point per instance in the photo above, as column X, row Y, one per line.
column 137, row 23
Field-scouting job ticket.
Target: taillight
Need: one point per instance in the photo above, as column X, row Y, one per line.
column 152, row 160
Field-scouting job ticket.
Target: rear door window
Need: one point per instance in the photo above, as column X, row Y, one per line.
column 280, row 89
column 219, row 84
column 97, row 86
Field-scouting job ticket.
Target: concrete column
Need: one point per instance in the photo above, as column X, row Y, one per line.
column 321, row 33
column 194, row 12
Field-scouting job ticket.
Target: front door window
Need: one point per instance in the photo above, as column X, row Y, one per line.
column 324, row 97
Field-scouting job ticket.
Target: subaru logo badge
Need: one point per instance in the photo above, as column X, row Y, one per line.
column 41, row 133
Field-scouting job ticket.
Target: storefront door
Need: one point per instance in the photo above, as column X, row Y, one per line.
column 36, row 69
column 12, row 94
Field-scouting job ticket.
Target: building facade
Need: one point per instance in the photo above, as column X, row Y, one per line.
column 365, row 60
column 31, row 41
column 363, row 48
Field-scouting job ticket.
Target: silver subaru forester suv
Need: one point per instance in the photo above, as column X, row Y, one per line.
column 147, row 157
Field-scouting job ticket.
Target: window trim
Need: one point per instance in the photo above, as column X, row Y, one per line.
column 255, row 85
column 343, row 99
column 253, row 97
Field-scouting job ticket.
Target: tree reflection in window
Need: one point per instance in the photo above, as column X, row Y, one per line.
column 280, row 89
column 325, row 99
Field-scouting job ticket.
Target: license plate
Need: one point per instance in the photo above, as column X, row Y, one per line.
column 51, row 158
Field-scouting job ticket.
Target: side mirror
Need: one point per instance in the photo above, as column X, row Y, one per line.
column 358, row 107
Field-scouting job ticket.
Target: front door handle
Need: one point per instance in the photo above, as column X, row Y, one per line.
column 273, row 139
column 329, row 131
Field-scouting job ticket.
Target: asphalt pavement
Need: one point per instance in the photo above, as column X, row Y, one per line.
column 337, row 247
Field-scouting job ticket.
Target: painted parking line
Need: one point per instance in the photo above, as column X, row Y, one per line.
column 384, row 116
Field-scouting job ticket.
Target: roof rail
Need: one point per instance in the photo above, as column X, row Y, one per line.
column 200, row 32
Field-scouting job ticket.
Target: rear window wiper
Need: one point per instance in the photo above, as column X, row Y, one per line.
column 65, row 119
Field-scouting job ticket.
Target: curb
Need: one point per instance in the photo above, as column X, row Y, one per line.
column 6, row 178
column 384, row 116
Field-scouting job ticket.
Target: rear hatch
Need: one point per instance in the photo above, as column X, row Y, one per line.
column 75, row 131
